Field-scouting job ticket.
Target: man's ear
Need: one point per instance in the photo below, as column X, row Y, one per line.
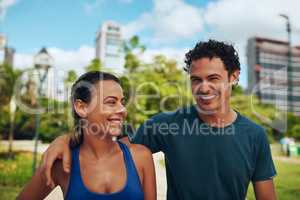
column 80, row 108
column 234, row 77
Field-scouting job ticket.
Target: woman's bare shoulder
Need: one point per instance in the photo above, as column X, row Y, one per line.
column 140, row 152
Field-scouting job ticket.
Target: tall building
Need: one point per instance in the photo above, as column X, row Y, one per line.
column 109, row 45
column 273, row 75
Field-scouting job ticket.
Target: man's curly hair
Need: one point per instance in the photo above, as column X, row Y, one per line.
column 214, row 49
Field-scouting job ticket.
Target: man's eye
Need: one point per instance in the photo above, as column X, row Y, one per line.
column 213, row 78
column 196, row 80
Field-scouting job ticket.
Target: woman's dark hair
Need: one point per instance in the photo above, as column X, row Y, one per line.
column 214, row 49
column 81, row 90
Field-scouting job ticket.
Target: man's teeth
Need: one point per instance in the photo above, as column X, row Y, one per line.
column 206, row 97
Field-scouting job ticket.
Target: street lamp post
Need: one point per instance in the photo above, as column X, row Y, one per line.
column 42, row 62
column 289, row 67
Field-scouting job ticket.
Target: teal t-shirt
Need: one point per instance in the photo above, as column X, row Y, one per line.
column 204, row 162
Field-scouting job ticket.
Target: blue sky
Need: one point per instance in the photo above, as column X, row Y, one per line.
column 69, row 24
column 171, row 27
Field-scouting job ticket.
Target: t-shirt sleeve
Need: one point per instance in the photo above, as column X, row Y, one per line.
column 148, row 134
column 264, row 165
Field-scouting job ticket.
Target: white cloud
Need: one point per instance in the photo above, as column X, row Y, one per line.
column 169, row 20
column 4, row 5
column 177, row 54
column 63, row 59
column 90, row 7
column 237, row 20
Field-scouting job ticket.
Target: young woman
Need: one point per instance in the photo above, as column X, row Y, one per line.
column 102, row 167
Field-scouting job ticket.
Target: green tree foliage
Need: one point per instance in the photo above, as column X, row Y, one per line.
column 71, row 77
column 8, row 76
column 132, row 49
column 155, row 87
column 95, row 65
column 237, row 90
column 158, row 86
column 293, row 128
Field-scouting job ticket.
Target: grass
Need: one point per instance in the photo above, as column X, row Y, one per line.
column 15, row 171
column 287, row 181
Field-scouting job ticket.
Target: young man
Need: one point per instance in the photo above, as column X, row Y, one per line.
column 211, row 151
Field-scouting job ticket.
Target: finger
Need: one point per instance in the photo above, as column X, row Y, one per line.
column 67, row 160
column 47, row 169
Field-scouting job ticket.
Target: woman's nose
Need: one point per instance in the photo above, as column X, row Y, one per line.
column 121, row 109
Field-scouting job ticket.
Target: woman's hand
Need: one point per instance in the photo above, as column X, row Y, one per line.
column 58, row 149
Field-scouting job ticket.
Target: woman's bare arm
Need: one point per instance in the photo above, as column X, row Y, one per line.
column 144, row 161
column 149, row 182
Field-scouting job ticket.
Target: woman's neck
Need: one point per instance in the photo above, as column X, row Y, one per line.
column 98, row 146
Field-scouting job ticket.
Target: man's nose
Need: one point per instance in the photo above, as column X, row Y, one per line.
column 204, row 87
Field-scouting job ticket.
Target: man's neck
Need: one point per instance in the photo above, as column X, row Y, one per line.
column 219, row 119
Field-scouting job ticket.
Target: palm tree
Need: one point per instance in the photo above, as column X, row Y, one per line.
column 8, row 77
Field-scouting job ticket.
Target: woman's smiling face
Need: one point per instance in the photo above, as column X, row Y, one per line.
column 106, row 111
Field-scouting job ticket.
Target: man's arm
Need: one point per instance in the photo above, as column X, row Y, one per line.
column 58, row 149
column 265, row 171
column 264, row 190
column 36, row 189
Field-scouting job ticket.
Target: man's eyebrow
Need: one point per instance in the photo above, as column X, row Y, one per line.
column 212, row 75
column 195, row 77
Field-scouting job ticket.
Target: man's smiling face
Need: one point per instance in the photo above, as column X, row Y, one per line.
column 211, row 84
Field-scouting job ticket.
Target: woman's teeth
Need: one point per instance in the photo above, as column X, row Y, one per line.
column 119, row 121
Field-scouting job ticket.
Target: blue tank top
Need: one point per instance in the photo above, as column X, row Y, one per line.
column 132, row 189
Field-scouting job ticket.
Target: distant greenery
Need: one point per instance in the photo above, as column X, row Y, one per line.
column 14, row 173
column 287, row 181
column 150, row 87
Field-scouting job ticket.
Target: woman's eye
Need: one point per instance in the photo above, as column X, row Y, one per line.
column 111, row 102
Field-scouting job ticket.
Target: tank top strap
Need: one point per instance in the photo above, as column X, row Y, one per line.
column 131, row 168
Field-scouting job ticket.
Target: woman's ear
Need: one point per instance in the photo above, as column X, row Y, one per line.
column 80, row 108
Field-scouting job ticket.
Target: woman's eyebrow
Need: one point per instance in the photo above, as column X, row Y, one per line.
column 111, row 97
column 114, row 97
